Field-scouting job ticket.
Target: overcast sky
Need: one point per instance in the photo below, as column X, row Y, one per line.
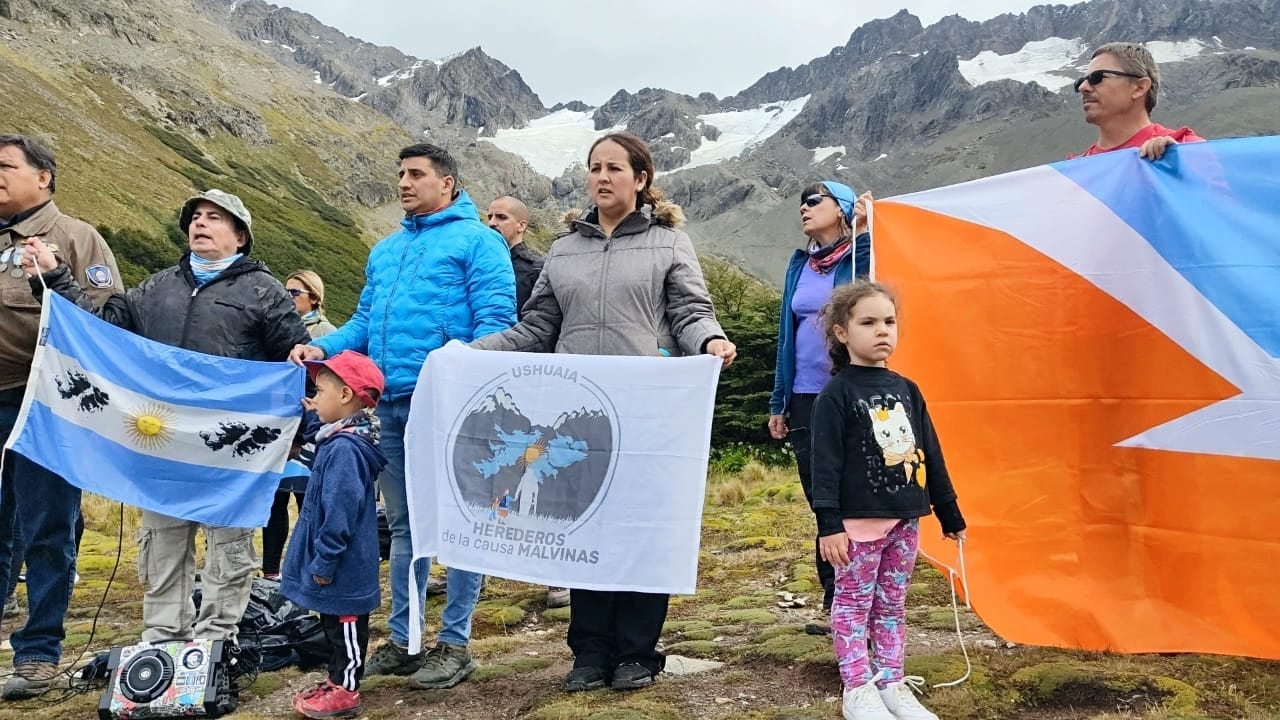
column 589, row 49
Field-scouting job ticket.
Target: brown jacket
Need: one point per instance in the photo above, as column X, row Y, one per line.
column 75, row 243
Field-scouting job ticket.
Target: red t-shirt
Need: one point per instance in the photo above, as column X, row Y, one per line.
column 1181, row 135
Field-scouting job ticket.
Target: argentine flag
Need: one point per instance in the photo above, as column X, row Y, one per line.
column 177, row 432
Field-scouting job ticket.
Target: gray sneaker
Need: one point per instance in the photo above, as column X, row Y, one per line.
column 391, row 659
column 445, row 665
column 30, row 679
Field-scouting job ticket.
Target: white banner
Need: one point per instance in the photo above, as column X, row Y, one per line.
column 565, row 470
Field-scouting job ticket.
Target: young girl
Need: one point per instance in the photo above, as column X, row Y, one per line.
column 877, row 468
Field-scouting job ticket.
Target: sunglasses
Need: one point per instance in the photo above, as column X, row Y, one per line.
column 814, row 200
column 295, row 292
column 1096, row 77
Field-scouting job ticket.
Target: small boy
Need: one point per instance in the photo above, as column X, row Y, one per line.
column 331, row 566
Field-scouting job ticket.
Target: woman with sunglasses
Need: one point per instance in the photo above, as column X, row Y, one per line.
column 1117, row 94
column 839, row 250
column 307, row 290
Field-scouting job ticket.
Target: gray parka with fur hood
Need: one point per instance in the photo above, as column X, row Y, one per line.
column 636, row 292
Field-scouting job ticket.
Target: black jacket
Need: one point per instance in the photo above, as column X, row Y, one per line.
column 528, row 266
column 876, row 454
column 243, row 313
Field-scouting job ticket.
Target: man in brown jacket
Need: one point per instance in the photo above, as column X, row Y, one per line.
column 44, row 505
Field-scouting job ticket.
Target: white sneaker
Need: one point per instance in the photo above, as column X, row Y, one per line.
column 900, row 699
column 864, row 703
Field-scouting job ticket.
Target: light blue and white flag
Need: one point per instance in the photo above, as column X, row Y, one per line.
column 173, row 431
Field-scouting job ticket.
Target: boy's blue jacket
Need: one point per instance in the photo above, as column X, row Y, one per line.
column 443, row 276
column 337, row 532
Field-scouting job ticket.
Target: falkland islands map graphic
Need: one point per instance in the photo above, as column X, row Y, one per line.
column 544, row 470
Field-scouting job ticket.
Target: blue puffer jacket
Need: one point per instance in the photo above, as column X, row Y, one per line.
column 855, row 264
column 444, row 276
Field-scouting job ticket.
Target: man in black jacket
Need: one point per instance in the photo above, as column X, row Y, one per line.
column 510, row 218
column 217, row 301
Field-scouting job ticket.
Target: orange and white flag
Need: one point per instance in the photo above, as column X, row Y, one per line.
column 1100, row 342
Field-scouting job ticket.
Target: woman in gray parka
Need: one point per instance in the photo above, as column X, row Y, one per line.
column 624, row 281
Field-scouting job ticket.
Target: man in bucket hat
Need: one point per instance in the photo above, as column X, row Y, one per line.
column 218, row 301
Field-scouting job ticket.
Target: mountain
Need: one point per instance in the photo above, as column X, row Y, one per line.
column 146, row 100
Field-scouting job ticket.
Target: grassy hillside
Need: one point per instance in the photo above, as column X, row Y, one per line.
column 127, row 166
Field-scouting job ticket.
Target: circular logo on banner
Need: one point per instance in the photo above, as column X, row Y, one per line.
column 535, row 449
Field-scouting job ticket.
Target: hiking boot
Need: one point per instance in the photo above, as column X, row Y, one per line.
column 585, row 678
column 631, row 676
column 900, row 699
column 30, row 679
column 557, row 597
column 444, row 666
column 391, row 659
column 864, row 703
column 328, row 701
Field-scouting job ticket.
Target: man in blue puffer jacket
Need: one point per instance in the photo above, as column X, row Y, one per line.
column 443, row 276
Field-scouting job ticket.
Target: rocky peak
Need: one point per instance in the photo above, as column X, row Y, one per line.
column 668, row 121
column 475, row 90
column 866, row 45
column 571, row 106
column 470, row 90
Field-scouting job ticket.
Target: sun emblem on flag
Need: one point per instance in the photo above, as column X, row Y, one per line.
column 149, row 426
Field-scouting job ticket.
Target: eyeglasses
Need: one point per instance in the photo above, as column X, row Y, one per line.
column 295, row 292
column 1096, row 77
column 814, row 200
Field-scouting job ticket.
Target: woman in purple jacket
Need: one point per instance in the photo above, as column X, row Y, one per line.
column 834, row 219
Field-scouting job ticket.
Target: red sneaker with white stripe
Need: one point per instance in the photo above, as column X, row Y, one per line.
column 328, row 701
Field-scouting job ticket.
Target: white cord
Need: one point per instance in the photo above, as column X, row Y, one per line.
column 955, row 609
column 871, row 250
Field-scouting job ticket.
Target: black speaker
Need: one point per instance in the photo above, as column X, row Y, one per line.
column 178, row 678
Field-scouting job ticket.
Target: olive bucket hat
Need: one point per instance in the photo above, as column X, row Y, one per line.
column 226, row 201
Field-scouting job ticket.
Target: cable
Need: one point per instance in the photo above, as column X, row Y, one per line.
column 963, row 577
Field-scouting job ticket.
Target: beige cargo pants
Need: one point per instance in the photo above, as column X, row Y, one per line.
column 166, row 569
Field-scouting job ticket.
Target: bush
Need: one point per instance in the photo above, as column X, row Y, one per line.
column 734, row 457
column 748, row 311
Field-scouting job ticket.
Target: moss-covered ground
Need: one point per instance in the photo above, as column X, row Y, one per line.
column 755, row 544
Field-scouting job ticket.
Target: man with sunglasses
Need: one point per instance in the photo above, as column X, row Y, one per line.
column 1118, row 94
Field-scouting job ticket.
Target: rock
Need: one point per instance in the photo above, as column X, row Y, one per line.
column 680, row 665
column 572, row 106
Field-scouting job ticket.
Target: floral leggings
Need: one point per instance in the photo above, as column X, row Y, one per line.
column 871, row 595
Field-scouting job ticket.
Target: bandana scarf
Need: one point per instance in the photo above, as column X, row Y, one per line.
column 822, row 259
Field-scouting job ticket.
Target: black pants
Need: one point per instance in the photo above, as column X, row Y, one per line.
column 798, row 421
column 348, row 637
column 608, row 629
column 276, row 532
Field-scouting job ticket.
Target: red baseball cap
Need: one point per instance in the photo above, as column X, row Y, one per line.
column 356, row 370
